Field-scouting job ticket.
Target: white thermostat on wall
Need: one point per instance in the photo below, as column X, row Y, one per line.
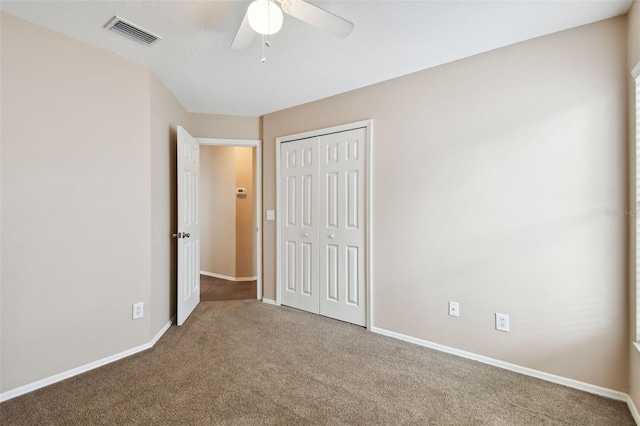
column 241, row 191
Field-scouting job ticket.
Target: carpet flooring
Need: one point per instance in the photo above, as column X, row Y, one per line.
column 249, row 363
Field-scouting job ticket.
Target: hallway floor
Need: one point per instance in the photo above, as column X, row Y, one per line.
column 216, row 289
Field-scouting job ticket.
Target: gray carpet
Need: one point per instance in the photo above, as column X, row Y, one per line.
column 246, row 363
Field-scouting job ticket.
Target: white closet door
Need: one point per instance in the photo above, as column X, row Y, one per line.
column 342, row 187
column 299, row 210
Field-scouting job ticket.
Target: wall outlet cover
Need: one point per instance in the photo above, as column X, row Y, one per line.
column 502, row 322
column 138, row 310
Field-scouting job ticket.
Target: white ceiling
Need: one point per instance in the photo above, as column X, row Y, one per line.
column 391, row 38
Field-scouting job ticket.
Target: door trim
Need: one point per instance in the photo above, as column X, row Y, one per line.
column 257, row 144
column 368, row 125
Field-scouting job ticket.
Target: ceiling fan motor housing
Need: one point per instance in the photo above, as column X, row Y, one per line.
column 265, row 17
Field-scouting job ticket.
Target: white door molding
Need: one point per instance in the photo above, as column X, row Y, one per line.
column 257, row 144
column 368, row 125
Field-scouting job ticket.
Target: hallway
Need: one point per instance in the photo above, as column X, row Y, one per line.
column 214, row 289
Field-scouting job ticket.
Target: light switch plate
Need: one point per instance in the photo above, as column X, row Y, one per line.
column 454, row 309
column 271, row 215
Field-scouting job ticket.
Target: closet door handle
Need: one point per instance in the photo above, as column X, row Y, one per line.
column 332, row 236
column 306, row 235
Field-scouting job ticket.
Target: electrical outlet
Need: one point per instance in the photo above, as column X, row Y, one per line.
column 502, row 322
column 138, row 310
column 454, row 309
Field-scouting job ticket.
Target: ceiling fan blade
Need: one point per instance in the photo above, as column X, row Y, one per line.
column 244, row 36
column 317, row 17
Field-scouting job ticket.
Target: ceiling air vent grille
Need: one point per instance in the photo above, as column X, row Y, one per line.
column 132, row 31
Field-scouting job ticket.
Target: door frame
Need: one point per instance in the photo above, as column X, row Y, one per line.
column 257, row 144
column 368, row 125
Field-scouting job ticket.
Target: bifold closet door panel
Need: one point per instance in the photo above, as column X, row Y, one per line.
column 299, row 224
column 342, row 230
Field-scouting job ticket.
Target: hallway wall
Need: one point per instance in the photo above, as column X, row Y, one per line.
column 227, row 221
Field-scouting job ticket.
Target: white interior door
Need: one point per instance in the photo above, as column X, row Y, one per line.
column 188, row 225
column 299, row 241
column 342, row 226
column 323, row 225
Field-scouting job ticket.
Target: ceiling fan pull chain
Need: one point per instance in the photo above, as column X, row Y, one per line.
column 266, row 42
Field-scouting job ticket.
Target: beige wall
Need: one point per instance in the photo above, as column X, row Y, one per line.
column 76, row 203
column 633, row 39
column 225, row 126
column 1, row 200
column 88, row 189
column 491, row 177
column 245, row 215
column 218, row 210
column 166, row 114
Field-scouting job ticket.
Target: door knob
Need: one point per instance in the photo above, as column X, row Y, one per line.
column 306, row 235
column 181, row 235
column 332, row 236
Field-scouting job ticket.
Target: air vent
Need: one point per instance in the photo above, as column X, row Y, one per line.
column 132, row 31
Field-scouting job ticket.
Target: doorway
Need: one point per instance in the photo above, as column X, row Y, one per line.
column 230, row 220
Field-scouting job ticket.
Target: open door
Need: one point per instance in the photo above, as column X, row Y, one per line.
column 188, row 225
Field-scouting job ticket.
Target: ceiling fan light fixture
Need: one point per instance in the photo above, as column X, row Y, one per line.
column 265, row 17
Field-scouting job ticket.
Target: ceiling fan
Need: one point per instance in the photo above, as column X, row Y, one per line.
column 265, row 17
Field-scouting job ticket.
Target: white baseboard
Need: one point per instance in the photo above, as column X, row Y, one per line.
column 633, row 409
column 269, row 301
column 597, row 390
column 5, row 396
column 228, row 278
